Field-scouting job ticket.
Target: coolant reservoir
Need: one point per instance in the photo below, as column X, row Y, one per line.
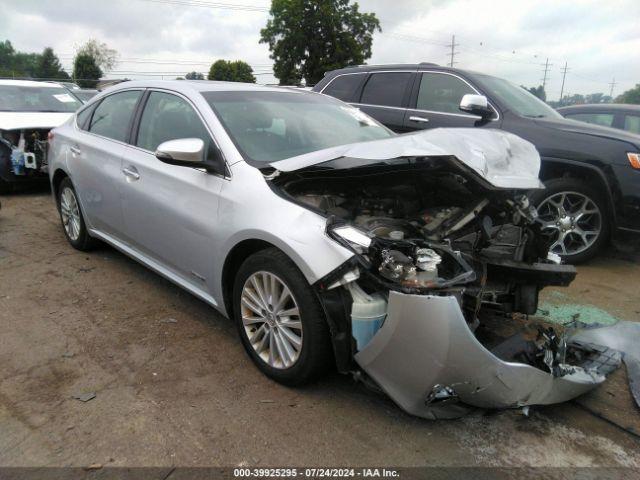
column 367, row 314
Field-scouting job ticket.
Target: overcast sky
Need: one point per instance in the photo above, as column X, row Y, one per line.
column 508, row 38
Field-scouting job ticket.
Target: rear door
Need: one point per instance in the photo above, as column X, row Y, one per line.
column 435, row 102
column 385, row 96
column 170, row 211
column 95, row 159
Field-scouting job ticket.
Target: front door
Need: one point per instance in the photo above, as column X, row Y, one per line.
column 170, row 211
column 435, row 102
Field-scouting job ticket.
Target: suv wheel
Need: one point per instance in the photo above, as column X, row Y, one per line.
column 280, row 320
column 572, row 215
column 73, row 223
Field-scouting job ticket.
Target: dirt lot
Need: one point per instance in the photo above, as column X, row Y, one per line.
column 174, row 387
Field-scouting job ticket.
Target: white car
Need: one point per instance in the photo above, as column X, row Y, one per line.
column 28, row 110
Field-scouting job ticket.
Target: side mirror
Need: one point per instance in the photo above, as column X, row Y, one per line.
column 476, row 105
column 188, row 152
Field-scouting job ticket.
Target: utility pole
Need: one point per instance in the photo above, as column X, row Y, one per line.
column 564, row 74
column 453, row 46
column 613, row 84
column 546, row 71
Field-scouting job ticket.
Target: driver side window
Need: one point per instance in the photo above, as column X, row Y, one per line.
column 441, row 93
column 169, row 117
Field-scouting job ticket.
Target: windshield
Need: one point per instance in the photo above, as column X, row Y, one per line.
column 14, row 98
column 517, row 98
column 272, row 126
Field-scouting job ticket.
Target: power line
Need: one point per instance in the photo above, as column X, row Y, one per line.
column 613, row 84
column 453, row 46
column 410, row 38
column 200, row 3
column 546, row 70
column 564, row 74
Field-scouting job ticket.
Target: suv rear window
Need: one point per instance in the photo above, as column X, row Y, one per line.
column 344, row 87
column 386, row 89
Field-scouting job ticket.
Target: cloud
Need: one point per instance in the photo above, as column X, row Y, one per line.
column 505, row 38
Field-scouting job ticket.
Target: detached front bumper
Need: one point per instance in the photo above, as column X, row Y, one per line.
column 428, row 361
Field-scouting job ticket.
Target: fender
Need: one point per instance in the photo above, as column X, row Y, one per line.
column 608, row 195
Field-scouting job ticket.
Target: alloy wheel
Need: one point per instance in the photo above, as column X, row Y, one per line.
column 271, row 319
column 571, row 220
column 70, row 213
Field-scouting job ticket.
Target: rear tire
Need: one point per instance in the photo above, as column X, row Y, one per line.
column 271, row 328
column 573, row 215
column 72, row 219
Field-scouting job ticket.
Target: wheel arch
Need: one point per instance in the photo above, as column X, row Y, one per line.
column 56, row 180
column 238, row 254
column 558, row 168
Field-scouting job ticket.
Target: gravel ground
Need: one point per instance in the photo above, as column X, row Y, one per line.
column 173, row 386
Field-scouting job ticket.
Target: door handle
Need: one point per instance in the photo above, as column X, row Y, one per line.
column 131, row 172
column 418, row 119
column 74, row 150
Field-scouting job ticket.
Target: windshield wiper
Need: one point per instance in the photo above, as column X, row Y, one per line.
column 536, row 116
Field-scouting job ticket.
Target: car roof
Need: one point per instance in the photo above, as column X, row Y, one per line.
column 615, row 107
column 400, row 66
column 29, row 83
column 190, row 86
column 397, row 66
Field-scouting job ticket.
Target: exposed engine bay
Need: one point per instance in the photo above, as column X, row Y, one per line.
column 26, row 152
column 429, row 227
column 433, row 227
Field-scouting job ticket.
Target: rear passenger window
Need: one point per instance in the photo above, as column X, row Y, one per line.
column 632, row 123
column 441, row 93
column 112, row 117
column 386, row 89
column 604, row 119
column 344, row 87
column 169, row 117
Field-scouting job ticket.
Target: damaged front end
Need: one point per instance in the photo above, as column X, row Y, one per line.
column 23, row 154
column 448, row 263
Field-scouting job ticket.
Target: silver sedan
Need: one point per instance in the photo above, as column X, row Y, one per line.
column 331, row 241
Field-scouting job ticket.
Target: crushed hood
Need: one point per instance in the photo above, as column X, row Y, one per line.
column 21, row 120
column 503, row 159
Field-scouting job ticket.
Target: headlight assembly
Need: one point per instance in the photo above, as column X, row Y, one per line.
column 357, row 239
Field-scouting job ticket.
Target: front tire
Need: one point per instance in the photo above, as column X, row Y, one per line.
column 73, row 224
column 572, row 215
column 280, row 320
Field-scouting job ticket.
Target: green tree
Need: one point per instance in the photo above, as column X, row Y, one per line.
column 49, row 66
column 630, row 96
column 7, row 54
column 86, row 71
column 575, row 99
column 17, row 64
column 537, row 91
column 228, row 71
column 307, row 39
column 194, row 76
column 597, row 98
column 104, row 57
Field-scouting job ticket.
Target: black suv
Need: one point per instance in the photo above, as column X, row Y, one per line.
column 592, row 173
